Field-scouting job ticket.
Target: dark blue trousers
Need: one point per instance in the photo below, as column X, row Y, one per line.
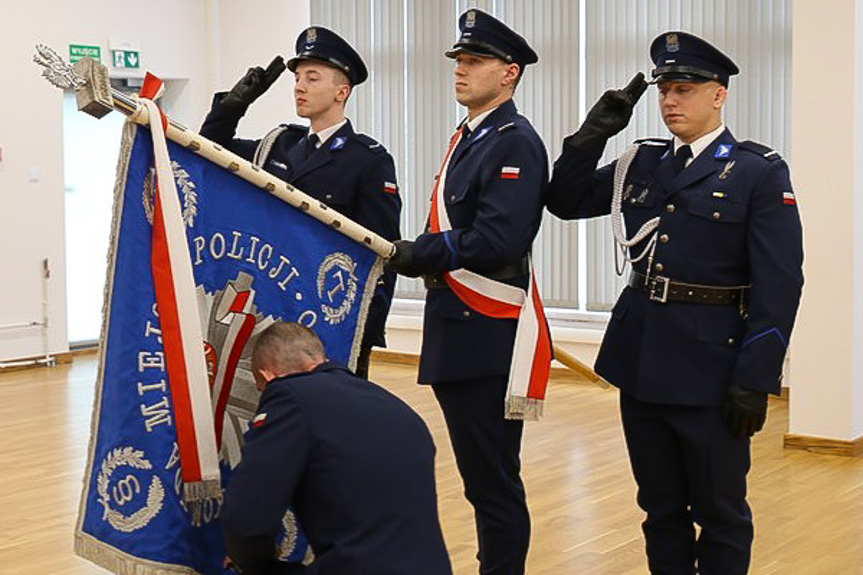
column 689, row 470
column 487, row 449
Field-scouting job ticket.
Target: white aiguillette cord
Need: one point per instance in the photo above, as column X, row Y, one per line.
column 623, row 245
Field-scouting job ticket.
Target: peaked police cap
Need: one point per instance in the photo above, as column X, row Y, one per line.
column 484, row 35
column 323, row 45
column 683, row 57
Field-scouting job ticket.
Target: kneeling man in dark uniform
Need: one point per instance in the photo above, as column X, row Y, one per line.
column 697, row 340
column 353, row 461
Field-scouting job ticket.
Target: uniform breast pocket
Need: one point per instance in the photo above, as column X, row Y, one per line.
column 716, row 228
column 721, row 211
column 456, row 194
column 279, row 169
column 339, row 198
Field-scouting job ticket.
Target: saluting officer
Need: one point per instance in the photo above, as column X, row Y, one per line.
column 347, row 171
column 486, row 208
column 697, row 340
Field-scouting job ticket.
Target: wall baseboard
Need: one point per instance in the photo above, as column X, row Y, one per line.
column 400, row 357
column 824, row 445
column 38, row 361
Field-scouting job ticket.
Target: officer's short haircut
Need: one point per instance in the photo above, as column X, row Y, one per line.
column 285, row 346
column 341, row 78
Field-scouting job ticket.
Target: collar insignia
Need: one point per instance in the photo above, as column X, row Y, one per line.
column 723, row 151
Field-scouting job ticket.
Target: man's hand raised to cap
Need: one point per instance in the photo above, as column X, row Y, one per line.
column 253, row 84
column 609, row 115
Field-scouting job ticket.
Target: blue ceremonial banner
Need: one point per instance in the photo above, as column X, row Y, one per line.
column 255, row 260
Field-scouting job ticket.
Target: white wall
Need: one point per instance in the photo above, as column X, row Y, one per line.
column 827, row 142
column 201, row 41
column 246, row 34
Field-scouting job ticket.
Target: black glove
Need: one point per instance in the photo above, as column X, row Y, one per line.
column 608, row 116
column 745, row 411
column 253, row 84
column 402, row 260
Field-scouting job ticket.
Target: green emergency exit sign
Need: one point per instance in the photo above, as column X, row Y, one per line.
column 125, row 58
column 78, row 51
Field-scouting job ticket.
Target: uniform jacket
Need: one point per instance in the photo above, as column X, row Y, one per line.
column 729, row 219
column 349, row 173
column 494, row 218
column 356, row 465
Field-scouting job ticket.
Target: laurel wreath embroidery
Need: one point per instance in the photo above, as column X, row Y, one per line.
column 333, row 315
column 287, row 545
column 190, row 194
column 130, row 457
column 187, row 186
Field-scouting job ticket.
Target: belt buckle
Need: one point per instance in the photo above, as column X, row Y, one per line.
column 658, row 289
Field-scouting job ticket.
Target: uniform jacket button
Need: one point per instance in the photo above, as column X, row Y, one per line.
column 716, row 215
column 329, row 196
column 663, row 238
column 731, row 341
column 669, row 208
column 466, row 313
column 452, row 198
column 659, row 267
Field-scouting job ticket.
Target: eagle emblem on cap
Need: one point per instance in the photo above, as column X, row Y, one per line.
column 311, row 36
column 470, row 20
column 672, row 44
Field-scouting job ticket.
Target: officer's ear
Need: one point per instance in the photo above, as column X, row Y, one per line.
column 342, row 93
column 719, row 96
column 343, row 86
column 262, row 377
column 512, row 75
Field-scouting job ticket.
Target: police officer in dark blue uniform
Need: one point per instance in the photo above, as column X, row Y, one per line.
column 697, row 341
column 353, row 461
column 491, row 189
column 348, row 171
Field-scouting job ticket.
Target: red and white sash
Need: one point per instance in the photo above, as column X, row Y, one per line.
column 531, row 356
column 182, row 338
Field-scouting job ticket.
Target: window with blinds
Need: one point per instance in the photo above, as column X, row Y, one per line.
column 585, row 47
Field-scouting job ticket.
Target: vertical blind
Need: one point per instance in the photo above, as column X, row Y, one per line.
column 408, row 103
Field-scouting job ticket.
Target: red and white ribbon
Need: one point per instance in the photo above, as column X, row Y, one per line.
column 234, row 312
column 182, row 338
column 531, row 356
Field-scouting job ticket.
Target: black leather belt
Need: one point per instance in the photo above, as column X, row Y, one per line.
column 518, row 269
column 662, row 289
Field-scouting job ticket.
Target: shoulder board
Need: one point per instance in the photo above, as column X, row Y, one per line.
column 506, row 127
column 760, row 149
column 653, row 142
column 296, row 128
column 370, row 143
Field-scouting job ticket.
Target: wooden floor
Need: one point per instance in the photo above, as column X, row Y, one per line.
column 808, row 508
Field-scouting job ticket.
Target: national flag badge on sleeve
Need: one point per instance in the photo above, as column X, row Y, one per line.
column 788, row 199
column 259, row 420
column 509, row 172
column 390, row 188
